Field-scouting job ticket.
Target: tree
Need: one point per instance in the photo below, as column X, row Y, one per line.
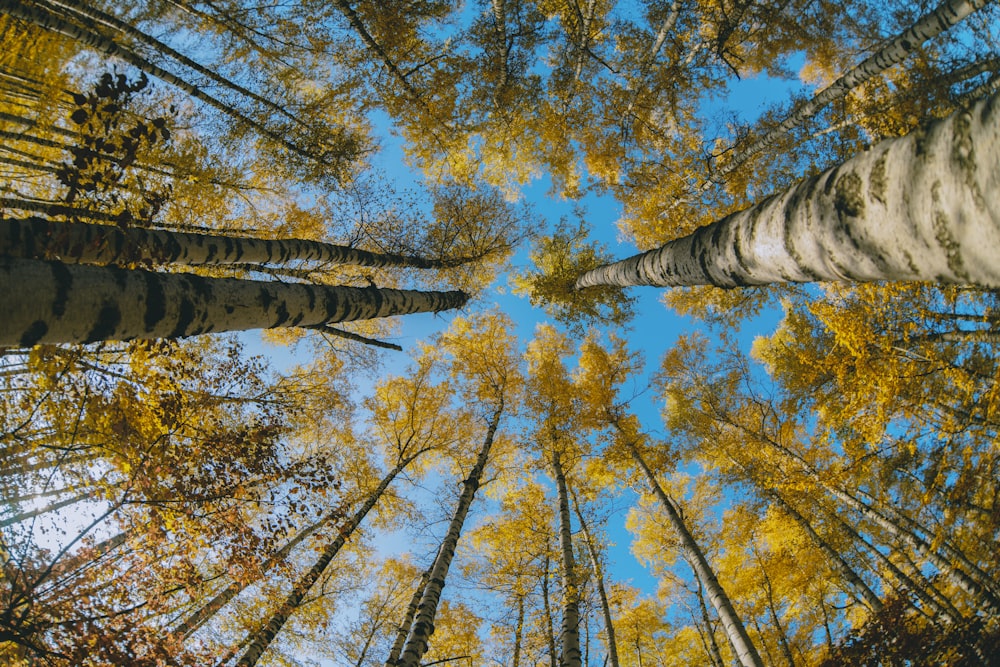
column 84, row 304
column 915, row 208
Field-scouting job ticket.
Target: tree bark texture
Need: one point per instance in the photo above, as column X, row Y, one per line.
column 263, row 638
column 893, row 52
column 569, row 632
column 595, row 562
column 921, row 207
column 745, row 650
column 52, row 302
column 423, row 623
column 83, row 243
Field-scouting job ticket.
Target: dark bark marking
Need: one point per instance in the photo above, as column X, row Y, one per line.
column 33, row 333
column 108, row 320
column 847, row 199
column 877, row 180
column 156, row 302
column 281, row 312
column 185, row 317
column 265, row 299
column 64, row 282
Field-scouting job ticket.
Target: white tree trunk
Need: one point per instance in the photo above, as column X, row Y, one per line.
column 85, row 243
column 744, row 648
column 52, row 302
column 569, row 633
column 891, row 53
column 423, row 623
column 922, row 207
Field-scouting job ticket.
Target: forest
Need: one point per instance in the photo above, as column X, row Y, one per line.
column 499, row 333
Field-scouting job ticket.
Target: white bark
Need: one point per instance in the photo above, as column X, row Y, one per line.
column 893, row 52
column 744, row 648
column 52, row 302
column 921, row 207
column 85, row 243
column 423, row 623
column 569, row 633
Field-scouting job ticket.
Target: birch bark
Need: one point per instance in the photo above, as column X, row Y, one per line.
column 745, row 651
column 51, row 302
column 423, row 623
column 569, row 632
column 893, row 52
column 263, row 638
column 921, row 207
column 84, row 243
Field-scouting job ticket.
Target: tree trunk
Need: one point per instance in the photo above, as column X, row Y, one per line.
column 47, row 21
column 927, row 27
column 88, row 14
column 518, row 632
column 715, row 655
column 745, row 651
column 262, row 639
column 595, row 562
column 190, row 625
column 569, row 632
column 921, row 207
column 547, row 608
column 403, row 630
column 51, row 302
column 423, row 623
column 82, row 243
column 846, row 571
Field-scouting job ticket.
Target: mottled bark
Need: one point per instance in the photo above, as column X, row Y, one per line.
column 423, row 623
column 550, row 634
column 745, row 651
column 893, row 52
column 263, row 637
column 52, row 302
column 569, row 631
column 595, row 562
column 920, row 207
column 403, row 629
column 82, row 243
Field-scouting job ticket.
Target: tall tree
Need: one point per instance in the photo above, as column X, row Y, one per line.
column 915, row 208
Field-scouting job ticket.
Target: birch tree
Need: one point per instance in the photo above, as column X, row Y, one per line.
column 921, row 207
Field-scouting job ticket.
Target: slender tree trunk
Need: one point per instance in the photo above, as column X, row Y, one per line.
column 52, row 507
column 786, row 650
column 895, row 51
column 263, row 637
column 46, row 20
column 846, row 571
column 190, row 625
column 403, row 629
column 423, row 623
column 87, row 14
column 569, row 633
column 595, row 562
column 920, row 207
column 934, row 607
column 715, row 655
column 547, row 608
column 51, row 302
column 75, row 242
column 518, row 632
column 745, row 651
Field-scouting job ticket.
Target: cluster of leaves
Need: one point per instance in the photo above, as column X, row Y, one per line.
column 101, row 174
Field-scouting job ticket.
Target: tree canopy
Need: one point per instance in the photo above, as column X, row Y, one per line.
column 794, row 459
